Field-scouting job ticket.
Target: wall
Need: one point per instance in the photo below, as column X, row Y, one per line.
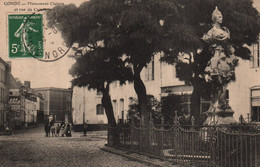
column 56, row 101
column 239, row 91
column 164, row 75
column 30, row 111
column 3, row 92
column 92, row 99
column 56, row 104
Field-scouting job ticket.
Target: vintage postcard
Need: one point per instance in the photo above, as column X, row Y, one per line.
column 130, row 83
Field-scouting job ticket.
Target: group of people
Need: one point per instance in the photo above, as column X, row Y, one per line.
column 55, row 130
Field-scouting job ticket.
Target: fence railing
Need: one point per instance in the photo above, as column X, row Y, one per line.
column 191, row 145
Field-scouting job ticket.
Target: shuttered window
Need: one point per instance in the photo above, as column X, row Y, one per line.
column 255, row 105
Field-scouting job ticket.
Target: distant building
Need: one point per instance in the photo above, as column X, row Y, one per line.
column 87, row 107
column 30, row 110
column 39, row 108
column 57, row 103
column 22, row 103
column 5, row 70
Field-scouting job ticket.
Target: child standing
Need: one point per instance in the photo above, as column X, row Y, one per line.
column 58, row 130
column 53, row 130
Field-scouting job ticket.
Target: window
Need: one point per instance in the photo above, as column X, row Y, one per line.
column 115, row 109
column 68, row 98
column 121, row 109
column 100, row 109
column 204, row 105
column 149, row 71
column 256, row 55
column 186, row 103
column 1, row 99
column 131, row 100
column 68, row 107
column 255, row 105
column 4, row 76
column 4, row 100
column 1, row 75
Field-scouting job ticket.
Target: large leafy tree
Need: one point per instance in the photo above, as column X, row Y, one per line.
column 142, row 36
column 129, row 28
column 99, row 61
column 97, row 71
column 240, row 17
column 139, row 29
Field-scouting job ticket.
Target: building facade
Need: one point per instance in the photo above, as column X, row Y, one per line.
column 245, row 92
column 23, row 103
column 5, row 69
column 39, row 108
column 160, row 81
column 87, row 107
column 57, row 103
column 158, row 78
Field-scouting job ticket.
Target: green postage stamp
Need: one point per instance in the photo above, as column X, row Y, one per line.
column 25, row 35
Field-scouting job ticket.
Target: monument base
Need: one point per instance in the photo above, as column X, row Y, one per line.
column 219, row 118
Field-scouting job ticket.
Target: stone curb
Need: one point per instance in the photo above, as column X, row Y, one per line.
column 139, row 157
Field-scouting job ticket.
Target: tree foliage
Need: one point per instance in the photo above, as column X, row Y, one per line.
column 239, row 16
column 138, row 29
column 155, row 110
column 171, row 105
column 99, row 61
column 95, row 69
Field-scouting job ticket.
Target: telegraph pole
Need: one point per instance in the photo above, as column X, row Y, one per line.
column 84, row 107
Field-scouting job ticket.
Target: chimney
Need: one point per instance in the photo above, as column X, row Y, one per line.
column 10, row 66
column 27, row 84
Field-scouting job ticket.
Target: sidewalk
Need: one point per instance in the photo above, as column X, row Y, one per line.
column 140, row 157
column 22, row 130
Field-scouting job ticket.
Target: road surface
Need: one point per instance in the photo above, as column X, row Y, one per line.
column 32, row 148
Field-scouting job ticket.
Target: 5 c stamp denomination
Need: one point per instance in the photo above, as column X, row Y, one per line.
column 25, row 35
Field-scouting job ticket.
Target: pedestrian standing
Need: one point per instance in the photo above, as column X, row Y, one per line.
column 85, row 128
column 58, row 130
column 63, row 129
column 46, row 128
column 68, row 130
column 53, row 130
column 49, row 129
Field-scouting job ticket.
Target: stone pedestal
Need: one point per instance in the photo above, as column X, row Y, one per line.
column 220, row 118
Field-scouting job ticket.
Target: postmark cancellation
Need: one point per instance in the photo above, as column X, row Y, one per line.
column 30, row 37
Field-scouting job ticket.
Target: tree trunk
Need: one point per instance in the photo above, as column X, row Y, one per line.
column 106, row 102
column 112, row 128
column 142, row 97
column 195, row 104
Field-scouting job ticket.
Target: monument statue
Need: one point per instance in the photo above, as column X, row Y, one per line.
column 220, row 70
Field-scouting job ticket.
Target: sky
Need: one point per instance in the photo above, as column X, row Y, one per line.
column 41, row 74
column 257, row 4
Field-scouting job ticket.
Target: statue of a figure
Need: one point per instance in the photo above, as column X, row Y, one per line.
column 220, row 68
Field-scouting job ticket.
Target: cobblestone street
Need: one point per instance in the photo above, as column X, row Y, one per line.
column 31, row 148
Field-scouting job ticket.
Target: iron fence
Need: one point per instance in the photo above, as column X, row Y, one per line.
column 201, row 146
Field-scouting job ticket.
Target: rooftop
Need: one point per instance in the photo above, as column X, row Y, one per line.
column 51, row 88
